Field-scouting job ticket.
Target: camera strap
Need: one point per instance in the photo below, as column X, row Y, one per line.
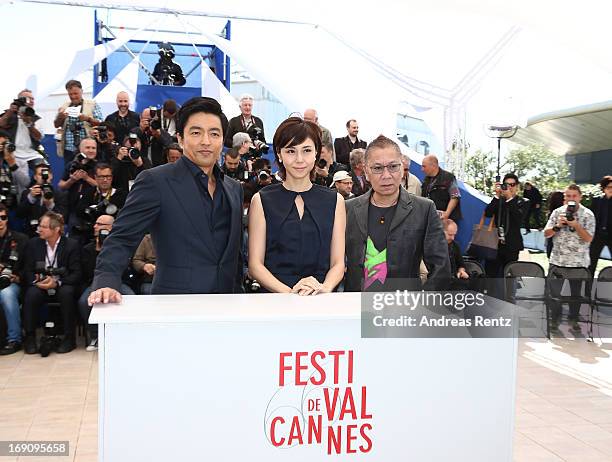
column 246, row 125
column 5, row 241
column 52, row 263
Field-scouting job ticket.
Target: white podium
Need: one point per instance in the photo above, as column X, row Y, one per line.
column 271, row 377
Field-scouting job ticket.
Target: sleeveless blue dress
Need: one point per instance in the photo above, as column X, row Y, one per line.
column 296, row 248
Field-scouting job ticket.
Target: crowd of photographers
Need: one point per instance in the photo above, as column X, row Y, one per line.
column 103, row 156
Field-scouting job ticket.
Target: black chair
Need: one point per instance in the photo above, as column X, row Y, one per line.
column 579, row 280
column 477, row 274
column 525, row 285
column 601, row 313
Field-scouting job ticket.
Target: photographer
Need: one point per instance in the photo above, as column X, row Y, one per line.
column 19, row 121
column 128, row 163
column 571, row 228
column 246, row 122
column 52, row 268
column 123, row 119
column 509, row 217
column 237, row 163
column 144, row 263
column 166, row 71
column 172, row 153
column 168, row 118
column 459, row 276
column 12, row 245
column 262, row 174
column 104, row 134
column 78, row 179
column 12, row 177
column 152, row 138
column 102, row 200
column 101, row 229
column 602, row 209
column 76, row 118
column 326, row 167
column 40, row 198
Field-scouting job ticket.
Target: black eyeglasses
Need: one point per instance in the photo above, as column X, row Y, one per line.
column 3, row 217
column 510, row 184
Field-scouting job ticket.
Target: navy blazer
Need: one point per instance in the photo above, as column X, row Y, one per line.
column 166, row 202
column 68, row 257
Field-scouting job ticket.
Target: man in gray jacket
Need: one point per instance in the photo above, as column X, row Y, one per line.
column 389, row 231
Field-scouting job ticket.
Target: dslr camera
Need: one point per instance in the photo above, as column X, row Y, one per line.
column 570, row 213
column 42, row 271
column 7, row 270
column 8, row 191
column 133, row 152
column 8, row 146
column 47, row 189
column 155, row 119
column 103, row 208
column 81, row 162
column 259, row 144
column 24, row 109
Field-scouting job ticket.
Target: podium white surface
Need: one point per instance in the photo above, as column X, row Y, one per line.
column 202, row 378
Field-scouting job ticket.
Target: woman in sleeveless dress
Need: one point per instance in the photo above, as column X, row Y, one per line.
column 296, row 228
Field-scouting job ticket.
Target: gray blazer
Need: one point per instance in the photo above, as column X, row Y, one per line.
column 415, row 234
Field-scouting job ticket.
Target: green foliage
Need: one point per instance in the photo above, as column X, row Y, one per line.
column 546, row 170
column 535, row 163
column 479, row 171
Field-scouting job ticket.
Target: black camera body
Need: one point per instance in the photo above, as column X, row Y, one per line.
column 321, row 163
column 259, row 144
column 9, row 146
column 251, row 285
column 7, row 270
column 102, row 133
column 47, row 189
column 94, row 211
column 8, row 191
column 570, row 210
column 81, row 162
column 23, row 108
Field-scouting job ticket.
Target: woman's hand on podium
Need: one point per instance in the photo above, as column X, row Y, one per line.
column 104, row 295
column 309, row 286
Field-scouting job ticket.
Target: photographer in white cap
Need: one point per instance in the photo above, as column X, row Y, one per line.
column 343, row 182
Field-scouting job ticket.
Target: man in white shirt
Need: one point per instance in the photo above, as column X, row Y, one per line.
column 571, row 228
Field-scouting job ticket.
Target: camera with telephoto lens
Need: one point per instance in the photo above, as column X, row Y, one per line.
column 8, row 146
column 102, row 208
column 23, row 108
column 7, row 270
column 47, row 189
column 8, row 191
column 133, row 152
column 42, row 271
column 570, row 213
column 259, row 144
column 81, row 162
column 102, row 133
column 155, row 120
column 321, row 163
column 263, row 175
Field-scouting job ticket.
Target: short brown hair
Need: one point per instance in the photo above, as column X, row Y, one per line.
column 348, row 122
column 56, row 220
column 73, row 83
column 575, row 187
column 294, row 131
column 382, row 142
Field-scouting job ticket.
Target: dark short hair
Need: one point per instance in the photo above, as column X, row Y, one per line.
column 170, row 106
column 173, row 147
column 294, row 131
column 348, row 122
column 328, row 146
column 73, row 83
column 234, row 154
column 261, row 163
column 102, row 166
column 4, row 134
column 605, row 181
column 200, row 104
column 3, row 208
column 56, row 220
column 575, row 187
column 381, row 142
column 510, row 176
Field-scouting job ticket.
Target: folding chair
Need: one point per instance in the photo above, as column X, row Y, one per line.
column 601, row 312
column 525, row 281
column 579, row 281
column 477, row 274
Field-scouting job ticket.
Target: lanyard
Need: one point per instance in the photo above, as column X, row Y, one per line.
column 51, row 264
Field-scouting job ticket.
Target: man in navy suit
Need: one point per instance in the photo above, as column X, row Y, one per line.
column 192, row 210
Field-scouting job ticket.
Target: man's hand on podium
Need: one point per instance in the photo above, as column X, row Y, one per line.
column 104, row 295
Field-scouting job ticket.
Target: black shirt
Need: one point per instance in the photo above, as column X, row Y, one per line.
column 379, row 222
column 217, row 211
column 123, row 125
